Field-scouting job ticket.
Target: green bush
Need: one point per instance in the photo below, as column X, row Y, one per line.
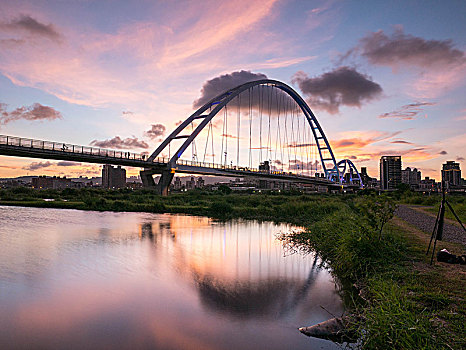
column 159, row 207
column 220, row 209
column 96, row 203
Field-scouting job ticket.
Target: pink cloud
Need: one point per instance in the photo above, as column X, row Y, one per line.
column 144, row 56
column 279, row 62
column 407, row 112
column 435, row 83
column 217, row 26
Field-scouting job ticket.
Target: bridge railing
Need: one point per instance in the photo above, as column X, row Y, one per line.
column 68, row 148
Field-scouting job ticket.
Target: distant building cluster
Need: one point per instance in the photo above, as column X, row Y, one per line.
column 60, row 183
column 181, row 184
column 190, row 183
column 391, row 177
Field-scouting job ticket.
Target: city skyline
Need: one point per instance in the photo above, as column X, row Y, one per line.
column 381, row 80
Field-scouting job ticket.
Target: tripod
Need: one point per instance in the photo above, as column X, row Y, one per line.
column 439, row 222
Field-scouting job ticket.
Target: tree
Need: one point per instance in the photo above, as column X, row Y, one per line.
column 378, row 212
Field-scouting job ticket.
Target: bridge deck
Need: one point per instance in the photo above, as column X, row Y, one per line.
column 23, row 147
column 31, row 148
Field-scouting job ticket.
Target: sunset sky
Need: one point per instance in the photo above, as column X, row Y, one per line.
column 382, row 77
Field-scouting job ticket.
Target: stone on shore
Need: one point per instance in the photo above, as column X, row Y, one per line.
column 331, row 328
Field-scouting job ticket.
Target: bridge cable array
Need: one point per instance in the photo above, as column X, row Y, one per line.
column 276, row 132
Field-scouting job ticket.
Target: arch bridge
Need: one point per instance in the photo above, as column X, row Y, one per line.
column 261, row 129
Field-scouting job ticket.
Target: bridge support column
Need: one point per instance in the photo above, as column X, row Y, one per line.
column 164, row 182
column 147, row 179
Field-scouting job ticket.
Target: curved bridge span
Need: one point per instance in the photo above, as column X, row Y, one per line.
column 260, row 129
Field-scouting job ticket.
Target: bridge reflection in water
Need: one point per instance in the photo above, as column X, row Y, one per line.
column 242, row 272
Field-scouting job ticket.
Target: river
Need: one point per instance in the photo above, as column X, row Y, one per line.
column 92, row 280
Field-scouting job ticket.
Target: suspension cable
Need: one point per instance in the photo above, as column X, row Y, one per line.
column 261, row 101
column 223, row 138
column 269, row 144
column 238, row 99
column 250, row 127
column 226, row 134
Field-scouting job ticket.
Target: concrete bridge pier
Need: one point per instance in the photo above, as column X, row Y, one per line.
column 147, row 178
column 164, row 182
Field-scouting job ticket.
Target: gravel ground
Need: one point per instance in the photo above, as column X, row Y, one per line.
column 424, row 222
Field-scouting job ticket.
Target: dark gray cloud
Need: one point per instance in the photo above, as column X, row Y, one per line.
column 407, row 112
column 68, row 163
column 459, row 159
column 222, row 83
column 300, row 145
column 443, row 153
column 11, row 43
column 119, row 143
column 262, row 99
column 31, row 26
column 403, row 142
column 404, row 49
column 343, row 86
column 155, row 131
column 37, row 165
column 34, row 112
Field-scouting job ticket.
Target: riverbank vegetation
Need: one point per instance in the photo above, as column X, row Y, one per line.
column 404, row 302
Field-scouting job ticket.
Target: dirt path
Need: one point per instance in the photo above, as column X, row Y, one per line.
column 426, row 222
column 425, row 209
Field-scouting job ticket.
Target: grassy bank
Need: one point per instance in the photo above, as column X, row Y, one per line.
column 406, row 304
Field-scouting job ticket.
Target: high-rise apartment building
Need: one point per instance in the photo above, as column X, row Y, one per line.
column 451, row 173
column 390, row 172
column 113, row 177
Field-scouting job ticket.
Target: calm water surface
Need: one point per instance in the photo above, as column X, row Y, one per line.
column 90, row 280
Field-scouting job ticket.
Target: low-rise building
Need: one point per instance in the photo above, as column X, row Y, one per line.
column 368, row 182
column 428, row 185
column 411, row 177
column 56, row 183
